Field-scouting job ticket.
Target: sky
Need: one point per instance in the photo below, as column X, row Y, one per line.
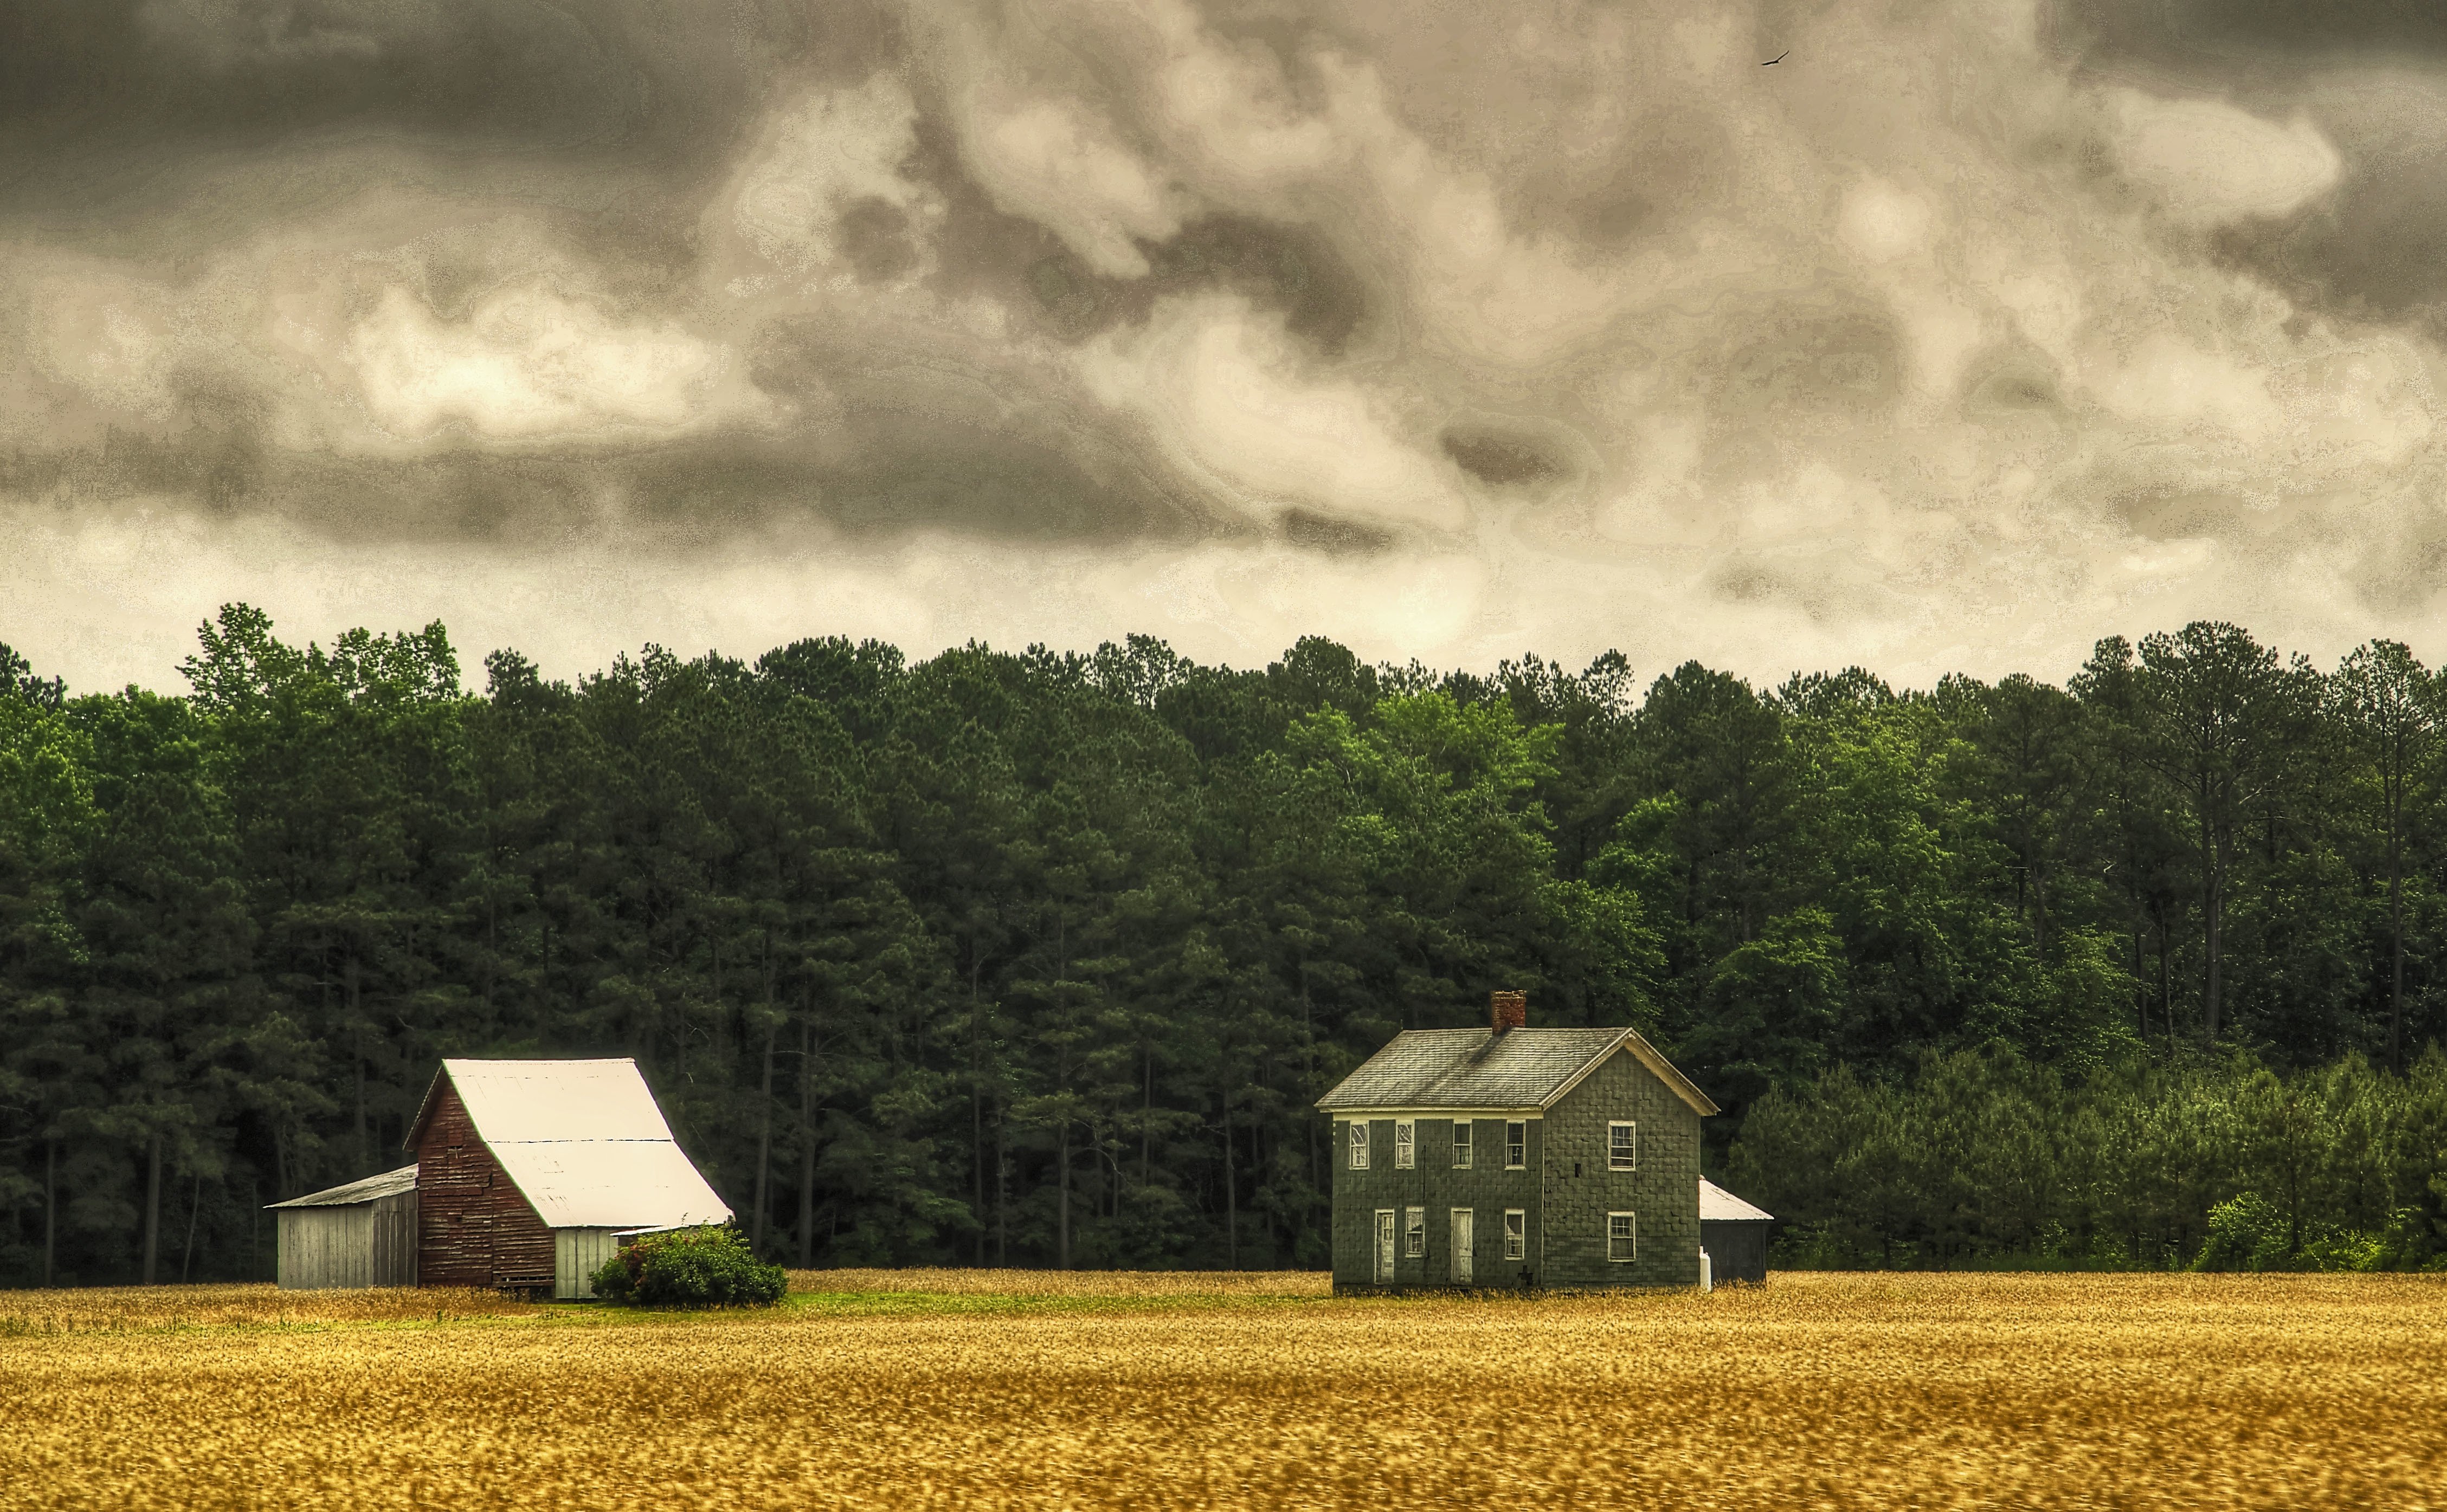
column 1960, row 337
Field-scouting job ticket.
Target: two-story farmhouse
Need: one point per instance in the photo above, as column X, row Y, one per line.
column 1559, row 1158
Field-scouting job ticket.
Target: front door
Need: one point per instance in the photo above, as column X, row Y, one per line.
column 1462, row 1227
column 1384, row 1246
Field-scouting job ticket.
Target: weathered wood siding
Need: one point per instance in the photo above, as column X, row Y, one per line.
column 577, row 1253
column 472, row 1226
column 327, row 1246
column 357, row 1244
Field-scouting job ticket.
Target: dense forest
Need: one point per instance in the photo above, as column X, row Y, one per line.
column 1041, row 959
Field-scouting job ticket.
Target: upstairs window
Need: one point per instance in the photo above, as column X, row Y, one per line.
column 1405, row 1143
column 1516, row 1234
column 1461, row 1144
column 1622, row 1146
column 1414, row 1232
column 1623, row 1237
column 1516, row 1146
column 1359, row 1144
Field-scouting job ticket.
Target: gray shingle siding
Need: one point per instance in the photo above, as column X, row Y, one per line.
column 1663, row 1191
column 1487, row 1189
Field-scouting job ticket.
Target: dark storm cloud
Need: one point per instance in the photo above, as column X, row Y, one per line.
column 2372, row 73
column 1443, row 329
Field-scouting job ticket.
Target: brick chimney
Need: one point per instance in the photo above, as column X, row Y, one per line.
column 1507, row 1011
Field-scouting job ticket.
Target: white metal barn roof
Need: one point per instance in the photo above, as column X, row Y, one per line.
column 1716, row 1206
column 583, row 1141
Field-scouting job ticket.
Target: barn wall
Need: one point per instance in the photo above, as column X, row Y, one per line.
column 577, row 1253
column 473, row 1228
column 322, row 1247
column 1663, row 1192
column 393, row 1240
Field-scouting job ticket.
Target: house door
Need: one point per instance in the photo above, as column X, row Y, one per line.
column 1384, row 1246
column 1462, row 1244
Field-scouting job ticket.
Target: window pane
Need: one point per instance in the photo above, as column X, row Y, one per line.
column 1516, row 1234
column 1358, row 1145
column 1461, row 1144
column 1623, row 1236
column 1516, row 1146
column 1622, row 1146
column 1405, row 1144
column 1414, row 1231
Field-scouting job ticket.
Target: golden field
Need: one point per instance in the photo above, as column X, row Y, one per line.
column 983, row 1389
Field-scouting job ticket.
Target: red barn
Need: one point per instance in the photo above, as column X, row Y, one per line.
column 526, row 1169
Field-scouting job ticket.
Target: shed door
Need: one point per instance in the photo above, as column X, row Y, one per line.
column 1463, row 1243
column 1384, row 1246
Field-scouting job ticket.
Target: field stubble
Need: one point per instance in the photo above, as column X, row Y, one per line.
column 1102, row 1391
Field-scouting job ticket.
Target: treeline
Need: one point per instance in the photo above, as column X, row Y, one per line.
column 2220, row 1165
column 1041, row 959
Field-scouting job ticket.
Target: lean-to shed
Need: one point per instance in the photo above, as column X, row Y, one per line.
column 526, row 1170
column 363, row 1234
column 1733, row 1233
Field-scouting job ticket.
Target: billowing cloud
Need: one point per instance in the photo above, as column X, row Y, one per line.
column 1955, row 340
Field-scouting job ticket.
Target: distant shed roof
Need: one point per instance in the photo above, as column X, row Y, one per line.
column 1479, row 1068
column 389, row 1183
column 1716, row 1206
column 583, row 1141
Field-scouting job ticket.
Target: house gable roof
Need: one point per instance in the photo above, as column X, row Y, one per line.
column 1477, row 1068
column 582, row 1141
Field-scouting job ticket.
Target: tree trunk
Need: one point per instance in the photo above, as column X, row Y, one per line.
column 1062, row 1203
column 2396, row 946
column 51, row 1205
column 357, row 1042
column 977, row 1105
column 764, row 1144
column 2210, row 920
column 807, row 1144
column 195, row 1208
column 152, row 1209
column 1232, row 1195
column 1002, row 1192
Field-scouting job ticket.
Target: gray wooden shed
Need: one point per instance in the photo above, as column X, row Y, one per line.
column 363, row 1234
column 1735, row 1234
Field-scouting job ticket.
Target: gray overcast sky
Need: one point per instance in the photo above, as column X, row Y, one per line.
column 1964, row 335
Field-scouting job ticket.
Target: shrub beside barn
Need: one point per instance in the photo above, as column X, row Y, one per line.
column 525, row 1172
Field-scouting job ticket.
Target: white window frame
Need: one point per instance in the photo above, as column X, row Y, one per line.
column 1405, row 1143
column 1414, row 1233
column 1461, row 1144
column 1516, row 1151
column 1616, row 1158
column 1630, row 1238
column 1359, row 1144
column 1516, row 1234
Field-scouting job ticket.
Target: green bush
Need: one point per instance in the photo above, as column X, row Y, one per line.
column 2246, row 1234
column 699, row 1267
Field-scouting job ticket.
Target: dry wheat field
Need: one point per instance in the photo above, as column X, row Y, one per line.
column 985, row 1388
